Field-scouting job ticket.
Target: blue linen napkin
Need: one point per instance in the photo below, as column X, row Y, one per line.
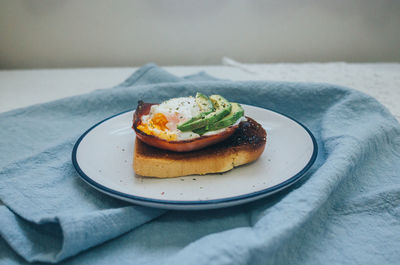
column 346, row 210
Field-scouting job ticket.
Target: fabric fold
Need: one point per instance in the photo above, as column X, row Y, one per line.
column 55, row 214
column 52, row 241
column 345, row 210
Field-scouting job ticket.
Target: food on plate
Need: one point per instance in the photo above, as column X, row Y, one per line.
column 194, row 135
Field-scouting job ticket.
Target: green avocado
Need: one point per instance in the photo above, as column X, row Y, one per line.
column 222, row 108
column 236, row 113
column 205, row 106
column 204, row 103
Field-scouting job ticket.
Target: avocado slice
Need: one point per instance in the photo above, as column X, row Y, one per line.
column 222, row 108
column 236, row 113
column 204, row 103
column 205, row 106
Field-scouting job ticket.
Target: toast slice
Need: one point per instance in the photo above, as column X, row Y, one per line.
column 244, row 146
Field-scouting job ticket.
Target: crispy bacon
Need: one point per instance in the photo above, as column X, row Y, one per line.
column 177, row 146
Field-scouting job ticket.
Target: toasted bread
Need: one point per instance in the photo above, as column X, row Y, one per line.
column 244, row 146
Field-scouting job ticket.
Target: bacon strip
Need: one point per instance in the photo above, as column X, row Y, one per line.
column 177, row 146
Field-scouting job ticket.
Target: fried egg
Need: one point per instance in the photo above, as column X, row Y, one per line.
column 163, row 119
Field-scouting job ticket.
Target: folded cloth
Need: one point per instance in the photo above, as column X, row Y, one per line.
column 345, row 211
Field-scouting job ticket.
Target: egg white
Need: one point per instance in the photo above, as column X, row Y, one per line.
column 176, row 110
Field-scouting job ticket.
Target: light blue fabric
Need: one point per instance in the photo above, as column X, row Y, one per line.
column 345, row 211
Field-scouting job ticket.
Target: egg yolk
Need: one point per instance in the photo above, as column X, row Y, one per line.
column 158, row 122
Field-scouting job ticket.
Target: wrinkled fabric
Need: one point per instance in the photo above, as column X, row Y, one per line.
column 346, row 210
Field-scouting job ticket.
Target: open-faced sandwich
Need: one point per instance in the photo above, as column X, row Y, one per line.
column 194, row 135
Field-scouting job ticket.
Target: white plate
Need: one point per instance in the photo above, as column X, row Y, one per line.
column 103, row 158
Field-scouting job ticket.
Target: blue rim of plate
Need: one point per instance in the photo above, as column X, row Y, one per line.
column 260, row 193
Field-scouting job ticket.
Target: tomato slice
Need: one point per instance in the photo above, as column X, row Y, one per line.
column 177, row 146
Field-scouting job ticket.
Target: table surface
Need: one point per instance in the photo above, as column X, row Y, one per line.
column 20, row 88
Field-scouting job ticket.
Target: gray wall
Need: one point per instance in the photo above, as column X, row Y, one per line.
column 102, row 33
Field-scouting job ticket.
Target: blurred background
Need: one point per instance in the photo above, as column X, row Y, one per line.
column 110, row 33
